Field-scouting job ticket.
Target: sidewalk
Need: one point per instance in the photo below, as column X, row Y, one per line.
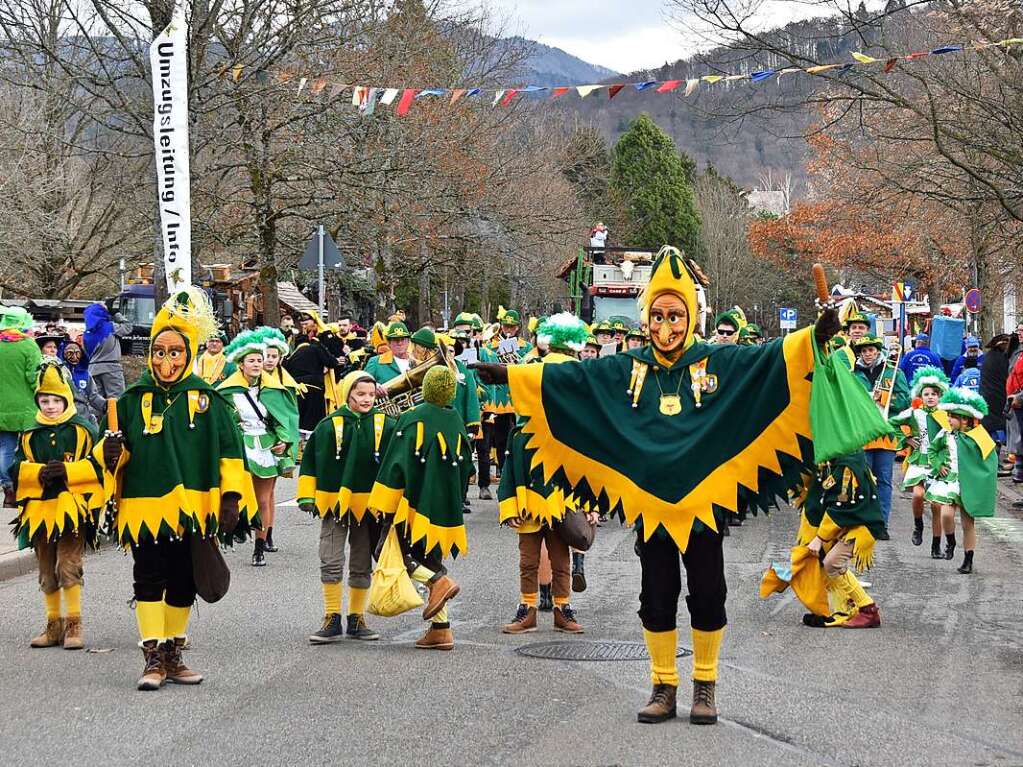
column 13, row 562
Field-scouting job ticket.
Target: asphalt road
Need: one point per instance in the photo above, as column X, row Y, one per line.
column 938, row 684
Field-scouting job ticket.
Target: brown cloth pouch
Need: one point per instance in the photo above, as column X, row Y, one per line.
column 575, row 530
column 210, row 572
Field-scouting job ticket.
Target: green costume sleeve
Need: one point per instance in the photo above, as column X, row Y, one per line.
column 467, row 401
column 901, row 399
column 423, row 476
column 604, row 425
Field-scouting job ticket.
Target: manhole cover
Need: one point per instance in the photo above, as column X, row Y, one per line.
column 599, row 651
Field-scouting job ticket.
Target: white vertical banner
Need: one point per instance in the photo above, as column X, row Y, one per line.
column 168, row 58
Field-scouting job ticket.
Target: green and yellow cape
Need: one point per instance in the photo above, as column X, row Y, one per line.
column 423, row 476
column 341, row 460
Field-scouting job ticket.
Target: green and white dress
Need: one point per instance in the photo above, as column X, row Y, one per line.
column 266, row 418
column 923, row 426
column 971, row 481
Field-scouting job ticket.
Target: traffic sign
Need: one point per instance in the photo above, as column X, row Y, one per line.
column 331, row 255
column 787, row 318
column 972, row 300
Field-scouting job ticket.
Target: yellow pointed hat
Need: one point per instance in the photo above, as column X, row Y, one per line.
column 190, row 313
column 52, row 378
column 671, row 274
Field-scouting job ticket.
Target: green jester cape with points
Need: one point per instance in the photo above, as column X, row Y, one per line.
column 341, row 460
column 423, row 476
column 741, row 427
column 182, row 452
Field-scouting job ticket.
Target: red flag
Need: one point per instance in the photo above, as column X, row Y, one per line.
column 559, row 91
column 917, row 55
column 508, row 96
column 407, row 97
column 668, row 85
column 456, row 94
column 890, row 65
column 612, row 91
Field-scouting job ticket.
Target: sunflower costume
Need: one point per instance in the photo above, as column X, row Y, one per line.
column 176, row 464
column 669, row 452
column 59, row 492
column 840, row 520
column 339, row 466
column 420, row 487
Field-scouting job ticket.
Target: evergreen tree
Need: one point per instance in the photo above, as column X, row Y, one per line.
column 650, row 177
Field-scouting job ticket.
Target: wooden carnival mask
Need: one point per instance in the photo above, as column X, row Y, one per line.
column 669, row 324
column 169, row 357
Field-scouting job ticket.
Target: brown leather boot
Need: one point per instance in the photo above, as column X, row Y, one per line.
column 868, row 617
column 661, row 706
column 564, row 620
column 703, row 711
column 73, row 633
column 441, row 590
column 153, row 675
column 173, row 665
column 524, row 623
column 437, row 638
column 51, row 635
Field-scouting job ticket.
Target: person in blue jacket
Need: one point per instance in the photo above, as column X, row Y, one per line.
column 920, row 356
column 972, row 353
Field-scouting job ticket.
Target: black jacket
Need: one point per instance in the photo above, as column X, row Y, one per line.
column 994, row 372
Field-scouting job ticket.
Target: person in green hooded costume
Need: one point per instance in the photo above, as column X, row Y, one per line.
column 268, row 417
column 655, row 430
column 419, row 488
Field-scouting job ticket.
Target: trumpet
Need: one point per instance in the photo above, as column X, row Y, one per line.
column 406, row 391
column 885, row 383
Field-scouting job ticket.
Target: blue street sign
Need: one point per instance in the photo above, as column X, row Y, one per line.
column 787, row 318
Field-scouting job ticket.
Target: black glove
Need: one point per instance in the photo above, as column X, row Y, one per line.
column 490, row 373
column 112, row 448
column 229, row 512
column 827, row 326
column 53, row 473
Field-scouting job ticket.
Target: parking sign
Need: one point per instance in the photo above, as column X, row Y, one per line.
column 787, row 318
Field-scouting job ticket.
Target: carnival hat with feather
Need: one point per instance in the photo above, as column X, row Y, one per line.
column 962, row 401
column 190, row 314
column 274, row 339
column 929, row 375
column 245, row 343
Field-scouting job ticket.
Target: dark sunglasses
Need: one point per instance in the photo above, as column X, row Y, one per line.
column 725, row 332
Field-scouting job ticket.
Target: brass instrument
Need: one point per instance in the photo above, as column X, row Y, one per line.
column 885, row 383
column 406, row 391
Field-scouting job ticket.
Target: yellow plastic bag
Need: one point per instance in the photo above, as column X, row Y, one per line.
column 391, row 591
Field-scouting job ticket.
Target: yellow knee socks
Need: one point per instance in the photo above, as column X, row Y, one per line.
column 52, row 602
column 73, row 601
column 855, row 591
column 442, row 616
column 706, row 645
column 560, row 601
column 357, row 599
column 662, row 646
column 175, row 621
column 422, row 574
column 150, row 617
column 529, row 600
column 331, row 598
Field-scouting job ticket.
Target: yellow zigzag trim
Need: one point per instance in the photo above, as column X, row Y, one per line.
column 391, row 500
column 527, row 504
column 342, row 502
column 720, row 487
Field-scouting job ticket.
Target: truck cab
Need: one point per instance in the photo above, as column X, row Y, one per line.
column 137, row 304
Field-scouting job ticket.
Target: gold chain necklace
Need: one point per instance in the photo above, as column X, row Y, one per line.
column 671, row 404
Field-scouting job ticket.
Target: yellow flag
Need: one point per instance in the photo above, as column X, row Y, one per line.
column 712, row 78
column 864, row 58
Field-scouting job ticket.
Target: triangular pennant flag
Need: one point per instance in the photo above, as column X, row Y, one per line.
column 390, row 94
column 844, row 68
column 533, row 89
column 863, row 58
column 508, row 96
column 369, row 105
column 586, row 90
column 1011, row 41
column 761, row 74
column 236, row 72
column 788, row 71
column 456, row 94
column 917, row 55
column 668, row 85
column 645, row 85
column 691, row 86
column 946, row 49
column 712, row 78
column 612, row 91
column 301, row 83
column 358, row 95
column 407, row 97
column 559, row 91
column 473, row 93
column 498, row 95
column 731, row 78
column 890, row 65
column 821, row 68
column 427, row 92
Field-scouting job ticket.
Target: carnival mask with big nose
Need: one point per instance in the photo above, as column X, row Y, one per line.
column 168, row 357
column 669, row 324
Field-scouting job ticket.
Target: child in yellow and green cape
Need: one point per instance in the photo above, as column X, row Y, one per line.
column 338, row 469
column 59, row 492
column 965, row 469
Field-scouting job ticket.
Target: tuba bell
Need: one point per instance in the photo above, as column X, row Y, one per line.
column 406, row 391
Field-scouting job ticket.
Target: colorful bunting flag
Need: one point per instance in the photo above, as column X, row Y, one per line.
column 863, row 58
column 760, row 75
column 236, row 72
column 586, row 90
column 668, row 85
column 407, row 97
column 946, row 49
column 692, row 85
column 456, row 94
column 509, row 96
column 890, row 65
column 301, row 83
column 645, row 85
column 473, row 92
column 712, row 78
column 559, row 91
column 612, row 91
column 497, row 97
column 390, row 94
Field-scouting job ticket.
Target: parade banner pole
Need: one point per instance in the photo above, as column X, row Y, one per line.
column 168, row 59
column 319, row 237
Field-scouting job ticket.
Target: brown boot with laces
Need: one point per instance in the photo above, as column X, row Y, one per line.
column 173, row 665
column 704, row 711
column 52, row 634
column 661, row 706
column 564, row 620
column 73, row 633
column 441, row 590
column 153, row 675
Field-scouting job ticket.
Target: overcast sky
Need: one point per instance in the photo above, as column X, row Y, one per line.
column 624, row 35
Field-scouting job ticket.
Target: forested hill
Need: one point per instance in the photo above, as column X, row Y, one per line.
column 712, row 125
